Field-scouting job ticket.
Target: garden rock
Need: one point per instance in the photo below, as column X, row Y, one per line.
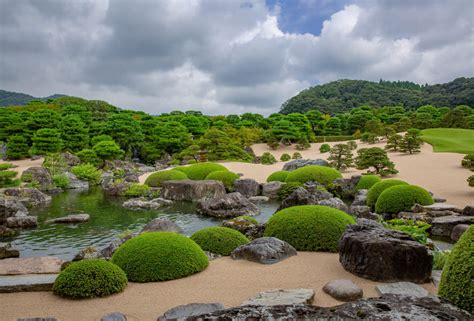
column 443, row 226
column 345, row 187
column 31, row 265
column 87, row 253
column 438, row 199
column 22, row 221
column 70, row 219
column 115, row 189
column 141, row 203
column 183, row 312
column 297, row 163
column 109, row 250
column 360, row 198
column 335, row 203
column 402, row 288
column 436, row 207
column 28, row 283
column 75, row 183
column 259, row 199
column 193, row 191
column 265, row 250
column 299, row 196
column 247, row 187
column 212, row 256
column 29, row 197
column 107, row 178
column 282, row 297
column 271, row 189
column 239, row 224
column 6, row 251
column 229, row 205
column 71, row 159
column 161, row 225
column 11, row 207
column 360, row 211
column 114, row 316
column 468, row 210
column 40, row 175
column 458, row 230
column 6, row 231
column 343, row 290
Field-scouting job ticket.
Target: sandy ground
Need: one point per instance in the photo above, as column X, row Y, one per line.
column 23, row 164
column 225, row 280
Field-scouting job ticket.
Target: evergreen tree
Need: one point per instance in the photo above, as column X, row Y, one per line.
column 340, row 157
column 191, row 152
column 108, row 150
column 411, row 142
column 284, row 132
column 394, row 142
column 17, row 147
column 45, row 141
column 74, row 133
column 377, row 158
column 333, row 127
column 171, row 137
column 126, row 131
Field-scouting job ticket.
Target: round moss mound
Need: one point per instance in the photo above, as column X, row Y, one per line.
column 309, row 227
column 322, row 174
column 159, row 256
column 157, row 179
column 89, row 279
column 378, row 188
column 278, row 176
column 199, row 171
column 367, row 181
column 401, row 198
column 247, row 218
column 226, row 177
column 456, row 283
column 219, row 240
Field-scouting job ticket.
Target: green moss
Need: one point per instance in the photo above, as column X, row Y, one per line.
column 157, row 179
column 159, row 256
column 225, row 176
column 378, row 188
column 321, row 174
column 288, row 188
column 309, row 227
column 278, row 176
column 219, row 240
column 367, row 181
column 248, row 219
column 199, row 171
column 401, row 198
column 89, row 279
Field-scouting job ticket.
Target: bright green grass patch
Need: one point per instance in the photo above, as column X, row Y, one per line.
column 452, row 140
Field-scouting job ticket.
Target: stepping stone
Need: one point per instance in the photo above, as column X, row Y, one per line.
column 31, row 265
column 115, row 316
column 70, row 219
column 183, row 312
column 27, row 283
column 282, row 297
column 343, row 290
column 265, row 250
column 402, row 288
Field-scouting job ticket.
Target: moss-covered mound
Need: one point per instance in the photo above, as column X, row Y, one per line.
column 378, row 188
column 199, row 171
column 309, row 227
column 322, row 174
column 367, row 181
column 219, row 240
column 278, row 176
column 90, row 279
column 157, row 179
column 159, row 256
column 225, row 176
column 401, row 198
column 457, row 285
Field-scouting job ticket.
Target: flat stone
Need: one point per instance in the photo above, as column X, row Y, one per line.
column 265, row 250
column 38, row 319
column 161, row 224
column 343, row 290
column 443, row 226
column 192, row 191
column 114, row 316
column 31, row 265
column 183, row 312
column 438, row 199
column 259, row 199
column 458, row 230
column 402, row 288
column 70, row 219
column 282, row 297
column 27, row 283
column 140, row 203
column 436, row 207
column 22, row 221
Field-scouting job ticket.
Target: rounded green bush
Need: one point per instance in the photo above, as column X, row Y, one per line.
column 378, row 188
column 309, row 227
column 199, row 171
column 159, row 256
column 278, row 176
column 89, row 279
column 401, row 198
column 456, row 283
column 268, row 159
column 321, row 174
column 324, row 148
column 247, row 218
column 226, row 177
column 285, row 157
column 367, row 181
column 219, row 240
column 157, row 179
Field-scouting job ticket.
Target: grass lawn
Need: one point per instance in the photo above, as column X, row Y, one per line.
column 452, row 140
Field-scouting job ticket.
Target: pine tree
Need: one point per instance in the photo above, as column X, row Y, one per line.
column 394, row 142
column 340, row 157
column 377, row 158
column 17, row 147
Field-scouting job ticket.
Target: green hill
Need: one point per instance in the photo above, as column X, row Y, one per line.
column 10, row 98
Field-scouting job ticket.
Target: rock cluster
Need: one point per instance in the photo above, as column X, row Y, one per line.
column 247, row 187
column 141, row 203
column 297, row 163
column 265, row 250
column 229, row 205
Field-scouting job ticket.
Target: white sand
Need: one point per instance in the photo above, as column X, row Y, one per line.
column 23, row 164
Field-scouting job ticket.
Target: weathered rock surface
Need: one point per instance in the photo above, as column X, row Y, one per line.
column 76, row 183
column 360, row 198
column 345, row 187
column 161, row 224
column 436, row 208
column 39, row 175
column 458, row 230
column 115, row 188
column 271, row 189
column 27, row 283
column 6, row 231
column 299, row 196
column 6, row 251
column 259, row 199
column 402, row 288
column 31, row 265
column 248, row 187
column 297, row 163
column 70, row 219
column 182, row 312
column 361, row 211
column 229, row 205
column 468, row 210
column 282, row 297
column 239, row 224
column 336, row 203
column 24, row 221
column 343, row 290
column 193, row 191
column 11, row 207
column 443, row 226
column 29, row 197
column 114, row 316
column 265, row 250
column 87, row 253
column 143, row 204
column 71, row 159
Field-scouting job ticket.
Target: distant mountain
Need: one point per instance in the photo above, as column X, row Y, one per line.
column 342, row 95
column 9, row 98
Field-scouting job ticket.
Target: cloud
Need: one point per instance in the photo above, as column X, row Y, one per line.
column 223, row 56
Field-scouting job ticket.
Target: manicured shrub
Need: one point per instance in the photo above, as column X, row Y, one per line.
column 309, row 227
column 137, row 190
column 278, row 176
column 285, row 157
column 108, row 150
column 456, row 283
column 61, row 181
column 87, row 172
column 401, row 198
column 219, row 240
column 287, row 189
column 352, row 144
column 89, row 279
column 226, row 177
column 321, row 174
column 268, row 159
column 468, row 162
column 378, row 188
column 199, row 171
column 88, row 156
column 17, row 147
column 470, row 180
column 296, row 155
column 324, row 148
column 157, row 179
column 159, row 256
column 249, row 219
column 367, row 181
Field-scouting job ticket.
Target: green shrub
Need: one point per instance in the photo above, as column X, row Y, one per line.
column 219, row 240
column 278, row 176
column 296, row 155
column 268, row 159
column 288, row 188
column 159, row 256
column 285, row 157
column 416, row 229
column 468, row 162
column 7, row 179
column 324, row 148
column 157, row 179
column 456, row 283
column 17, row 147
column 470, row 180
column 5, row 166
column 199, row 171
column 249, row 219
column 137, row 190
column 367, row 181
column 309, row 227
column 226, row 177
column 440, row 258
column 378, row 188
column 88, row 156
column 89, row 279
column 352, row 144
column 401, row 198
column 61, row 181
column 321, row 174
column 87, row 172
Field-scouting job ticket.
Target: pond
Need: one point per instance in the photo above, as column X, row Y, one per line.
column 107, row 219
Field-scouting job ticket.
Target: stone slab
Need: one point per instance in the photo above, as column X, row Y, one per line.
column 282, row 297
column 27, row 283
column 31, row 265
column 402, row 288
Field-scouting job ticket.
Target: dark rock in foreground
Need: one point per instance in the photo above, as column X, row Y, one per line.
column 229, row 205
column 183, row 312
column 114, row 316
column 248, row 187
column 265, row 250
column 192, row 191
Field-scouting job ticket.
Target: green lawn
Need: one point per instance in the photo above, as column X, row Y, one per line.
column 452, row 140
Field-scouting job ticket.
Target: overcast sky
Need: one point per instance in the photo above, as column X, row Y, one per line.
column 226, row 56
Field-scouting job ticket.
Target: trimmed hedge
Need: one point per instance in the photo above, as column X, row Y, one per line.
column 278, row 176
column 199, row 171
column 157, row 179
column 159, row 256
column 321, row 174
column 367, row 181
column 378, row 188
column 401, row 198
column 457, row 278
column 219, row 240
column 309, row 227
column 89, row 279
column 226, row 177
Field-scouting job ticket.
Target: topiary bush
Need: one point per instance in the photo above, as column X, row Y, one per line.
column 321, row 174
column 247, row 218
column 401, row 198
column 268, row 159
column 367, row 181
column 456, row 283
column 199, row 171
column 157, row 179
column 296, row 155
column 285, row 157
column 226, row 177
column 378, row 188
column 159, row 256
column 89, row 279
column 278, row 176
column 309, row 227
column 219, row 240
column 468, row 162
column 288, row 188
column 324, row 148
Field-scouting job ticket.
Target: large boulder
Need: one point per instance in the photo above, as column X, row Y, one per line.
column 229, row 205
column 458, row 230
column 346, row 187
column 370, row 251
column 161, row 224
column 39, row 175
column 271, row 189
column 115, row 188
column 300, row 196
column 247, row 187
column 30, row 197
column 335, row 202
column 265, row 250
column 188, row 190
column 71, row 159
column 144, row 204
column 444, row 225
column 297, row 163
column 23, row 221
column 75, row 183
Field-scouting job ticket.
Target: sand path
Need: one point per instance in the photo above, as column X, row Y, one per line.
column 23, row 164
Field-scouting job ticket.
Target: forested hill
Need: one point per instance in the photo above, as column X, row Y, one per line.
column 9, row 98
column 343, row 95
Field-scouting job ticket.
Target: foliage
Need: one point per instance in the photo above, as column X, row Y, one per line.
column 288, row 188
column 157, row 179
column 61, row 181
column 285, row 157
column 394, row 142
column 219, row 146
column 219, row 240
column 268, row 159
column 321, row 174
column 88, row 156
column 440, row 258
column 108, row 150
column 7, row 177
column 470, row 180
column 450, row 140
column 367, row 181
column 278, row 176
column 87, row 172
column 377, row 158
column 324, row 148
column 225, row 176
column 411, row 142
column 352, row 144
column 401, row 198
column 340, row 157
column 191, row 152
column 378, row 188
column 416, row 229
column 74, row 133
column 468, row 162
column 17, row 147
column 55, row 163
column 171, row 137
column 296, row 155
column 137, row 190
column 46, row 140
column 370, row 138
column 247, row 218
column 199, row 171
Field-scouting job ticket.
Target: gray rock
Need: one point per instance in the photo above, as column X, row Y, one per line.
column 360, row 198
column 240, row 224
column 193, row 191
column 75, row 183
column 265, row 250
column 336, row 203
column 27, row 283
column 468, row 210
column 6, row 251
column 259, row 199
column 182, row 312
column 443, row 226
column 436, row 277
column 70, row 219
column 212, row 256
column 299, row 196
column 402, row 288
column 71, row 159
column 343, row 290
column 345, row 187
column 30, row 265
column 116, row 188
column 11, row 207
column 438, row 199
column 106, row 179
column 110, row 249
column 143, row 204
column 115, row 316
column 229, row 205
column 6, row 231
column 360, row 211
column 297, row 163
column 39, row 175
column 282, row 297
column 271, row 189
column 439, row 207
column 29, row 197
column 22, row 222
column 38, row 319
column 458, row 230
column 248, row 187
column 161, row 224
column 87, row 253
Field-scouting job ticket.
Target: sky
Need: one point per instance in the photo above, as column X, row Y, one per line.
column 226, row 56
